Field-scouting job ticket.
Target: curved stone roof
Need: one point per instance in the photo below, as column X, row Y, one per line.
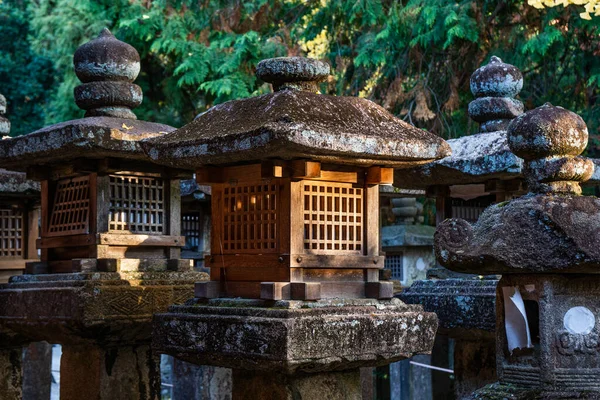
column 474, row 159
column 93, row 137
column 297, row 124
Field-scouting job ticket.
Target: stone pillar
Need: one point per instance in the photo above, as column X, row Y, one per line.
column 37, row 371
column 343, row 385
column 11, row 373
column 124, row 372
column 474, row 365
column 200, row 382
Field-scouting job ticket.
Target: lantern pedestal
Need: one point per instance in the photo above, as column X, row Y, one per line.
column 102, row 320
column 340, row 385
column 288, row 347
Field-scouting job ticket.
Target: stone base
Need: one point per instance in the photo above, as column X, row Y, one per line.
column 94, row 306
column 294, row 336
column 326, row 385
column 498, row 391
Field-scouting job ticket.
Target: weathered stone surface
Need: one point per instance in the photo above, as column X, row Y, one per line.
column 295, row 73
column 547, row 131
column 106, row 58
column 297, row 124
column 4, row 122
column 293, row 336
column 550, row 139
column 15, row 183
column 529, row 234
column 465, row 307
column 107, row 66
column 474, row 365
column 91, row 307
column 565, row 357
column 474, row 159
column 94, row 137
column 496, row 79
column 484, row 156
column 547, row 230
column 486, row 109
column 344, row 385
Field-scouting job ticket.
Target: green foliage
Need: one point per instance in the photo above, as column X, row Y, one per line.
column 26, row 78
column 413, row 57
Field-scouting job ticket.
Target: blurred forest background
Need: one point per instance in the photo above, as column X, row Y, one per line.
column 413, row 57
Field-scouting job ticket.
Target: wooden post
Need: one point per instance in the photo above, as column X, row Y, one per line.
column 33, row 233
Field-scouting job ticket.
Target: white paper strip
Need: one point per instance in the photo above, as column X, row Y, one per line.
column 515, row 319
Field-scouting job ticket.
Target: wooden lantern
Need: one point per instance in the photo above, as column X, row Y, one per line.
column 294, row 177
column 297, row 229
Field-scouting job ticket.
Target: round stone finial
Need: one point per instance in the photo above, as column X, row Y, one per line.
column 495, row 85
column 107, row 67
column 295, row 73
column 550, row 140
column 496, row 79
column 4, row 122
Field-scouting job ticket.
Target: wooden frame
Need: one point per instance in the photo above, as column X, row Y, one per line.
column 147, row 228
column 325, row 229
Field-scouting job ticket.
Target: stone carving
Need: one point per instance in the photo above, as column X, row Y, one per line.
column 4, row 122
column 569, row 344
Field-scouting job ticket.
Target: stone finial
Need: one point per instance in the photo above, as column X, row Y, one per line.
column 495, row 87
column 293, row 73
column 550, row 140
column 4, row 122
column 107, row 67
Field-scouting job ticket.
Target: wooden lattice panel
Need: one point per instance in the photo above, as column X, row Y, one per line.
column 136, row 204
column 333, row 218
column 250, row 218
column 190, row 228
column 71, row 208
column 11, row 233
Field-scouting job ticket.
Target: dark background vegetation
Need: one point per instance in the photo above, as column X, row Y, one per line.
column 413, row 57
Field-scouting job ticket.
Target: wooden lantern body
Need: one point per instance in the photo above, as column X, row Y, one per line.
column 108, row 216
column 294, row 230
column 19, row 230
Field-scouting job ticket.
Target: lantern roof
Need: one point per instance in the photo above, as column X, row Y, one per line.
column 107, row 68
column 485, row 155
column 296, row 122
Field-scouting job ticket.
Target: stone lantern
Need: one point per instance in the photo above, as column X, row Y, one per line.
column 110, row 234
column 481, row 171
column 294, row 177
column 19, row 214
column 545, row 245
column 295, row 181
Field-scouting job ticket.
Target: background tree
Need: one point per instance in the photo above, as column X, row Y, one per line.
column 414, row 57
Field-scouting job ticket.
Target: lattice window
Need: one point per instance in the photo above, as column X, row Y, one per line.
column 250, row 218
column 333, row 218
column 190, row 228
column 11, row 233
column 136, row 204
column 71, row 209
column 395, row 263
